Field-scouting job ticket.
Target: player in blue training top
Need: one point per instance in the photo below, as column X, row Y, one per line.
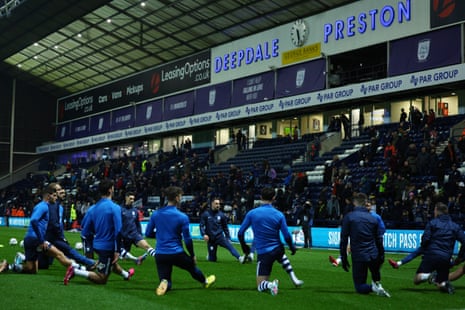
column 171, row 227
column 103, row 224
column 55, row 234
column 131, row 232
column 215, row 231
column 266, row 224
column 35, row 242
column 367, row 250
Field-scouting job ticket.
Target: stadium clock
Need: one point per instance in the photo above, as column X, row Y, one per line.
column 299, row 33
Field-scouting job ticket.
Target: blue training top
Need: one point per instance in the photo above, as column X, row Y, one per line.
column 170, row 226
column 131, row 225
column 55, row 229
column 215, row 225
column 266, row 224
column 39, row 221
column 103, row 222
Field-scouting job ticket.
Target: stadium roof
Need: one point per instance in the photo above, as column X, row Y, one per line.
column 63, row 47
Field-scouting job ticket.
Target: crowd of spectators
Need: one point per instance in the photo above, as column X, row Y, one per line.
column 410, row 178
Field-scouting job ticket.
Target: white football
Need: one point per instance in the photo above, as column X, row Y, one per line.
column 13, row 241
column 79, row 246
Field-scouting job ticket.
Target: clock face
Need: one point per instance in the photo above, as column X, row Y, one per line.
column 299, row 33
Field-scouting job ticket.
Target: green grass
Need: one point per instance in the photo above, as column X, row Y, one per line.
column 325, row 287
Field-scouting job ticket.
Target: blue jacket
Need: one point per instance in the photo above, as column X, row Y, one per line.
column 131, row 224
column 440, row 235
column 55, row 228
column 215, row 225
column 366, row 243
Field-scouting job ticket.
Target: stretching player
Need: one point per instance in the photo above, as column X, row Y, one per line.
column 131, row 232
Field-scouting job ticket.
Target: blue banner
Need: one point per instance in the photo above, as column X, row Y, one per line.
column 100, row 123
column 178, row 106
column 434, row 49
column 212, row 98
column 301, row 78
column 253, row 89
column 79, row 128
column 149, row 113
column 122, row 119
column 63, row 132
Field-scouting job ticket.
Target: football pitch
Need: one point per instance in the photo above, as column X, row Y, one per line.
column 326, row 287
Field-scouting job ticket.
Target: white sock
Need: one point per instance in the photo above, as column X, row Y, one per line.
column 81, row 273
column 130, row 256
column 124, row 274
column 424, row 276
column 293, row 277
column 75, row 265
column 338, row 260
column 16, row 267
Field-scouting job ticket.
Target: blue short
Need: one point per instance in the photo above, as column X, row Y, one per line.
column 265, row 261
column 104, row 264
column 435, row 263
column 32, row 248
column 127, row 242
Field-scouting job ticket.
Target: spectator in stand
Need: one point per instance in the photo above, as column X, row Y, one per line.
column 461, row 148
column 346, row 126
column 20, row 212
column 313, row 152
column 245, row 141
column 449, row 154
column 430, row 118
column 333, row 208
column 389, row 151
column 403, row 115
column 239, row 137
column 296, row 133
column 333, row 124
column 68, row 166
column 422, row 161
column 417, row 117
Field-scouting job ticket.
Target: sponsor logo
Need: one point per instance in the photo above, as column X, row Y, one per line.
column 443, row 8
column 423, row 50
column 155, row 83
